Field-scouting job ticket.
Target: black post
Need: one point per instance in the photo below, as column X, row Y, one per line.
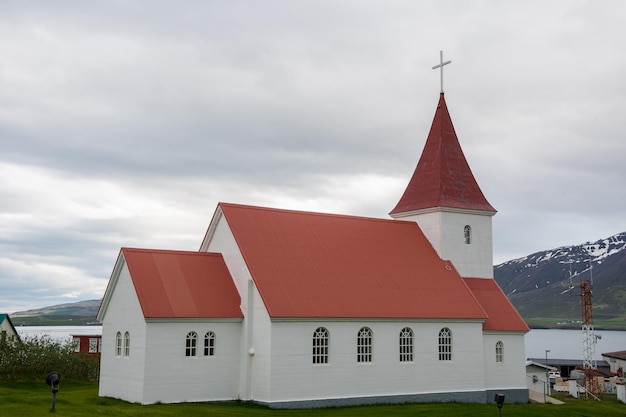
column 53, row 379
column 499, row 401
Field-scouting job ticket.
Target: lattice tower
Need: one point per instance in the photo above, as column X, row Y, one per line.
column 590, row 366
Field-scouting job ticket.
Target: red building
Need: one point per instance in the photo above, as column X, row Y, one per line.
column 87, row 343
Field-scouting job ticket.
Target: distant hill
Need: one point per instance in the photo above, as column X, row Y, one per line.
column 545, row 286
column 80, row 313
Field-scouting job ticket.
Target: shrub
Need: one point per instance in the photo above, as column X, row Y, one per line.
column 35, row 356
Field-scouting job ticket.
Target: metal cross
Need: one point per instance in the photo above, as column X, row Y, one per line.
column 440, row 66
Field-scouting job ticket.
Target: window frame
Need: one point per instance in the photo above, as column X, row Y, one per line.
column 467, row 234
column 209, row 343
column 445, row 344
column 94, row 345
column 406, row 345
column 364, row 345
column 118, row 344
column 499, row 351
column 320, row 346
column 191, row 344
column 127, row 344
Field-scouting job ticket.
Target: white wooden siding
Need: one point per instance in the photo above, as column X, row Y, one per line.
column 123, row 377
column 173, row 377
column 511, row 373
column 295, row 377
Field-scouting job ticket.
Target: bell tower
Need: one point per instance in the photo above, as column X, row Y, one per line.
column 445, row 200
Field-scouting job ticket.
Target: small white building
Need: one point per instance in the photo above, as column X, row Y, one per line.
column 301, row 309
column 7, row 330
column 616, row 361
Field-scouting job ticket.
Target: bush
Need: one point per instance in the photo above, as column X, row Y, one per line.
column 36, row 356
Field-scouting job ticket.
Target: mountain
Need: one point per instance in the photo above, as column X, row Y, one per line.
column 80, row 313
column 545, row 286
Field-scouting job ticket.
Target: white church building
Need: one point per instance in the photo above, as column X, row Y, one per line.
column 301, row 309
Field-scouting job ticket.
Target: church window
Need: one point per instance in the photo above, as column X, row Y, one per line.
column 406, row 345
column 126, row 344
column 321, row 340
column 445, row 344
column 468, row 234
column 499, row 351
column 209, row 344
column 118, row 344
column 191, row 343
column 364, row 345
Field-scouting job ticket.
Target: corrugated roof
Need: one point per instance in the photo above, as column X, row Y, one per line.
column 442, row 177
column 180, row 284
column 322, row 265
column 502, row 315
column 617, row 355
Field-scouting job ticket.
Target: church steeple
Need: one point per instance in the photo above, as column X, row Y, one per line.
column 445, row 200
column 442, row 177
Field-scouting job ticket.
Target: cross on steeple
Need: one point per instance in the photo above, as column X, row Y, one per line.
column 440, row 66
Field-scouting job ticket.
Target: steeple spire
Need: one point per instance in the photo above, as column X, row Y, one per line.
column 442, row 177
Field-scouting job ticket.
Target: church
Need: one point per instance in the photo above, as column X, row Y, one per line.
column 297, row 309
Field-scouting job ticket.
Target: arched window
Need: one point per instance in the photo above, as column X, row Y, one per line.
column 118, row 344
column 209, row 344
column 191, row 343
column 364, row 345
column 126, row 344
column 406, row 345
column 467, row 233
column 321, row 341
column 445, row 344
column 499, row 351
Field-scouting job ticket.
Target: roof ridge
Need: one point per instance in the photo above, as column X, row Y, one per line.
column 309, row 213
column 171, row 251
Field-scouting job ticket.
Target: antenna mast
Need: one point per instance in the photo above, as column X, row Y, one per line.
column 590, row 366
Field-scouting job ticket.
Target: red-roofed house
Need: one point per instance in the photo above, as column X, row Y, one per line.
column 299, row 309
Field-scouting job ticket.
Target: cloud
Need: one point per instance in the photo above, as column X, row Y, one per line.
column 124, row 124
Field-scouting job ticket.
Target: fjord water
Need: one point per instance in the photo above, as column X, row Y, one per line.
column 568, row 344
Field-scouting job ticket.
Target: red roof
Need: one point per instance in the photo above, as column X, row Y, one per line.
column 179, row 284
column 322, row 265
column 502, row 315
column 617, row 355
column 442, row 177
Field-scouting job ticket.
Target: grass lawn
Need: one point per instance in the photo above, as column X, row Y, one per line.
column 30, row 399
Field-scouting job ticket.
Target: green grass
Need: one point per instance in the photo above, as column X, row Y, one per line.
column 30, row 399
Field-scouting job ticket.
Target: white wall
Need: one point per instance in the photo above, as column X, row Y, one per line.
column 254, row 373
column 615, row 363
column 475, row 259
column 122, row 377
column 511, row 373
column 223, row 242
column 5, row 326
column 261, row 341
column 171, row 376
column 445, row 231
column 295, row 377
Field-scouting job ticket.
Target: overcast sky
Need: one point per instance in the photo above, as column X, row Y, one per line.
column 124, row 123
